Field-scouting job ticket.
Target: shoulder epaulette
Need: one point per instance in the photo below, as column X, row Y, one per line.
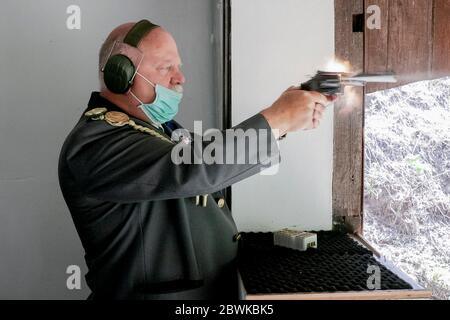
column 120, row 119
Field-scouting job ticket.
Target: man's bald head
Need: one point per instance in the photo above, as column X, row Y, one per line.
column 161, row 65
column 151, row 43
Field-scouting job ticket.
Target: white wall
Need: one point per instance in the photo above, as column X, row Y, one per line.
column 276, row 44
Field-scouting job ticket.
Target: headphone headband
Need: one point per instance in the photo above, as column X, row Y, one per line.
column 138, row 32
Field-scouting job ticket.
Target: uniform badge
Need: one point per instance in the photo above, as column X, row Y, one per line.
column 117, row 119
column 96, row 114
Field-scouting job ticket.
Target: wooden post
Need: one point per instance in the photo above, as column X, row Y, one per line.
column 348, row 125
column 441, row 39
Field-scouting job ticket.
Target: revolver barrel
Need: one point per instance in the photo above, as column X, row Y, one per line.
column 333, row 83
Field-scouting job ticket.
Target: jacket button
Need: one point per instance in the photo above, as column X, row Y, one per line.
column 221, row 202
column 237, row 237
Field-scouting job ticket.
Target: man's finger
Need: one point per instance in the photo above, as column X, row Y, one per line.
column 316, row 123
column 333, row 98
column 319, row 108
column 317, row 115
column 319, row 98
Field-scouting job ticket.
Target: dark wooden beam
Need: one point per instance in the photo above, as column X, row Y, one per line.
column 376, row 44
column 441, row 39
column 410, row 41
column 348, row 124
column 226, row 90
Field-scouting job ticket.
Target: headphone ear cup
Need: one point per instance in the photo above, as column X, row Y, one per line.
column 118, row 73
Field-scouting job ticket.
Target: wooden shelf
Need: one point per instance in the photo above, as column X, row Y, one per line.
column 365, row 295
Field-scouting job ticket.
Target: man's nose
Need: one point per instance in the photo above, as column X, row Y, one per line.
column 178, row 78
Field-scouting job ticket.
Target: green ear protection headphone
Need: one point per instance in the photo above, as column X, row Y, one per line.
column 119, row 70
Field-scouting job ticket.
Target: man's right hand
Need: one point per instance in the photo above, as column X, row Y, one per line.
column 296, row 110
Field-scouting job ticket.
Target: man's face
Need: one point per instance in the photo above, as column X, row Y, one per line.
column 161, row 65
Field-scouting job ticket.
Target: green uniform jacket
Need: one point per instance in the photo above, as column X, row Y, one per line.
column 136, row 213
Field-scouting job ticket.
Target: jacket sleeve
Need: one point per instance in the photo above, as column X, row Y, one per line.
column 123, row 165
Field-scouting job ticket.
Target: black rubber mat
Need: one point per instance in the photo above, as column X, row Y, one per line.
column 339, row 264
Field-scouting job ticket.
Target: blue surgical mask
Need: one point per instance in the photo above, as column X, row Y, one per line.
column 165, row 106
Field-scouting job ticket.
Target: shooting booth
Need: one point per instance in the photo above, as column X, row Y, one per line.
column 319, row 185
column 238, row 57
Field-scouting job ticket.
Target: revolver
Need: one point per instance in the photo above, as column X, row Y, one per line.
column 333, row 83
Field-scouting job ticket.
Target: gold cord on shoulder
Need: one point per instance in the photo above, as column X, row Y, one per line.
column 120, row 119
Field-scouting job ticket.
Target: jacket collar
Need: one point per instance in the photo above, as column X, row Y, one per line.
column 97, row 101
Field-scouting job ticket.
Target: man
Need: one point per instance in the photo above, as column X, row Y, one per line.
column 153, row 229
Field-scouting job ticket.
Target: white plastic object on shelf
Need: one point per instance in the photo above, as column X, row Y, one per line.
column 294, row 239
